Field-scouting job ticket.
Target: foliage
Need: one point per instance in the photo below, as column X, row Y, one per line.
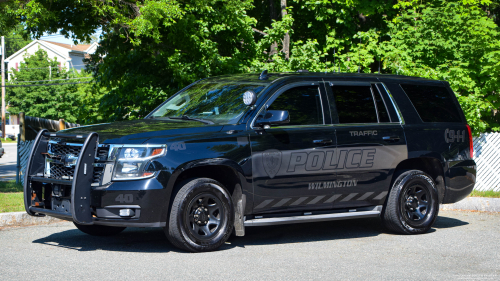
column 58, row 101
column 150, row 49
column 15, row 40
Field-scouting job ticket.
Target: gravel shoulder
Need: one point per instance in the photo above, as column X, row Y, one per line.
column 462, row 245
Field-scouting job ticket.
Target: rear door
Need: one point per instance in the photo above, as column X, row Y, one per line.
column 288, row 160
column 370, row 142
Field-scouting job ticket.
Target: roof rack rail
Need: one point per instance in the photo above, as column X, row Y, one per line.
column 302, row 70
column 263, row 75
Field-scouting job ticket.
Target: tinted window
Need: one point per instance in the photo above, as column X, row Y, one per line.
column 383, row 116
column 303, row 104
column 433, row 103
column 355, row 104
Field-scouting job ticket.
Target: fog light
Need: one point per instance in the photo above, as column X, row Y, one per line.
column 127, row 213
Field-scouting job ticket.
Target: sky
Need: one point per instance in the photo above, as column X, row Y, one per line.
column 57, row 37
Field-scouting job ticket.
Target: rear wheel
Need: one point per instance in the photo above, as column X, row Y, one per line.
column 201, row 217
column 99, row 230
column 412, row 206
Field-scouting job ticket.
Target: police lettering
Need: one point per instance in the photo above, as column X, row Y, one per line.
column 329, row 160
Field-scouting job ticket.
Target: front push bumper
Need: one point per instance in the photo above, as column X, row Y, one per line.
column 136, row 203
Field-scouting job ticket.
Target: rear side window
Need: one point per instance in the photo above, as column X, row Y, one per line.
column 433, row 103
column 355, row 104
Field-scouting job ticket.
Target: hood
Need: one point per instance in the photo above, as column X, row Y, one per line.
column 139, row 131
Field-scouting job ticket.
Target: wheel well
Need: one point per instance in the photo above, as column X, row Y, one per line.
column 223, row 174
column 430, row 166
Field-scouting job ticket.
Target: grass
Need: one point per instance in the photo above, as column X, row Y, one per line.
column 11, row 197
column 489, row 194
column 8, row 140
column 10, row 186
column 11, row 202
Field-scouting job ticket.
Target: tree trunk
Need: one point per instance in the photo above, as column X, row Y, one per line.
column 272, row 15
column 286, row 39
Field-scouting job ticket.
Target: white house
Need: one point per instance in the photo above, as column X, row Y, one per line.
column 68, row 56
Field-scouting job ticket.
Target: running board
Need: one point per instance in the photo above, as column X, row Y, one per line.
column 352, row 214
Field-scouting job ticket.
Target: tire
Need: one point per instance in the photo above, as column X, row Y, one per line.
column 412, row 205
column 99, row 230
column 201, row 217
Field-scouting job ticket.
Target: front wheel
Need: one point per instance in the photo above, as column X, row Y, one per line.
column 412, row 206
column 201, row 217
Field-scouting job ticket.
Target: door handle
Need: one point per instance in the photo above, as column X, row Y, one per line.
column 322, row 141
column 391, row 138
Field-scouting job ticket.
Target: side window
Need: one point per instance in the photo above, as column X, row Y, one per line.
column 355, row 104
column 433, row 103
column 303, row 104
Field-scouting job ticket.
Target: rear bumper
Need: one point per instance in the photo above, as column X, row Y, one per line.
column 1, row 151
column 460, row 180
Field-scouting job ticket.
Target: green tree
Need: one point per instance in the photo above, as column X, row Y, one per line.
column 15, row 40
column 59, row 101
column 152, row 48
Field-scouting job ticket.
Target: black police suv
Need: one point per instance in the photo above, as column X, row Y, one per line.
column 236, row 151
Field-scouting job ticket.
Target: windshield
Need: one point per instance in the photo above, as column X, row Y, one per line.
column 217, row 102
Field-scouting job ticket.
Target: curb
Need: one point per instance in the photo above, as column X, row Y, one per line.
column 475, row 204
column 23, row 219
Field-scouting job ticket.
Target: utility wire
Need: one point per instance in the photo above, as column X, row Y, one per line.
column 11, row 86
column 20, row 68
column 50, row 80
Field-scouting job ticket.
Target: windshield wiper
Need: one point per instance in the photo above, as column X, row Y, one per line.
column 185, row 117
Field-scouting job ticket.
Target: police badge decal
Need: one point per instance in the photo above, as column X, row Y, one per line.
column 272, row 162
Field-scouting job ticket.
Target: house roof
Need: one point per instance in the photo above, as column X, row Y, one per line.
column 44, row 43
column 78, row 48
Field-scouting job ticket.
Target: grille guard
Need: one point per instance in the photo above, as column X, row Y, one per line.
column 80, row 184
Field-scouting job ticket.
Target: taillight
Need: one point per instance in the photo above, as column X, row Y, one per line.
column 471, row 145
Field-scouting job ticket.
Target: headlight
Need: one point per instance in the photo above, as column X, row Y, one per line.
column 132, row 161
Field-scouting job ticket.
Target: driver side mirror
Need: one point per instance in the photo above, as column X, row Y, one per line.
column 273, row 117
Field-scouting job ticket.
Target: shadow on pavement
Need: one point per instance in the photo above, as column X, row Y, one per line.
column 445, row 222
column 153, row 240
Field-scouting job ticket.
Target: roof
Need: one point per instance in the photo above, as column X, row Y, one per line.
column 273, row 77
column 78, row 48
column 43, row 43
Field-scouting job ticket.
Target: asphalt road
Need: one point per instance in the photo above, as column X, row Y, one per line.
column 461, row 246
column 8, row 162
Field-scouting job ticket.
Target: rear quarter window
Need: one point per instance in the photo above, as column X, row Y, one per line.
column 433, row 103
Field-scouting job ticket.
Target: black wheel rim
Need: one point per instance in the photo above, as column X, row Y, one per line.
column 204, row 216
column 415, row 203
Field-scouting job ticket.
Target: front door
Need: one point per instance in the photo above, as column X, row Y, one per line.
column 370, row 143
column 288, row 160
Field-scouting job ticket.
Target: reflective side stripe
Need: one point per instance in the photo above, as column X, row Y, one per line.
column 316, row 200
column 282, row 202
column 349, row 197
column 381, row 195
column 366, row 195
column 300, row 200
column 333, row 198
column 263, row 204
